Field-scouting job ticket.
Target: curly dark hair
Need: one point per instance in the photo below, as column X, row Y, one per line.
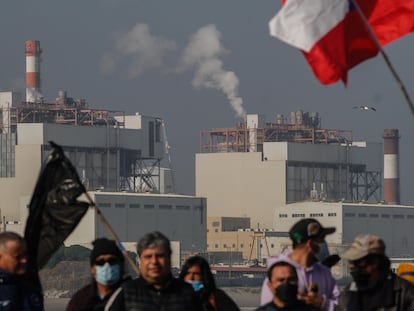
column 206, row 275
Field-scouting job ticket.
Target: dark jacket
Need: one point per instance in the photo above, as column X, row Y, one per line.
column 222, row 300
column 18, row 293
column 394, row 294
column 300, row 306
column 138, row 295
column 87, row 299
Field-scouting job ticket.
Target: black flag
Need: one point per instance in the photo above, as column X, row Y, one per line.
column 54, row 210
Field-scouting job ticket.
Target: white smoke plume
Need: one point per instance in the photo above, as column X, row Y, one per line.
column 145, row 51
column 203, row 54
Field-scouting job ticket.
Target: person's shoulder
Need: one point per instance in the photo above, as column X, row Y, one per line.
column 401, row 282
column 180, row 284
column 224, row 301
column 267, row 307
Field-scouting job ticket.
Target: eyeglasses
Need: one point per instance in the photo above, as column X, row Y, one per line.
column 111, row 261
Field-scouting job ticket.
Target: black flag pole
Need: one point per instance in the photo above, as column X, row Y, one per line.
column 112, row 233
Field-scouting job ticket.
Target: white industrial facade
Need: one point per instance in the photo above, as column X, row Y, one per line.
column 252, row 184
column 131, row 215
column 109, row 160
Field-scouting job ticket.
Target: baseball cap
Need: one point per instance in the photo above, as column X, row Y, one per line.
column 406, row 271
column 364, row 245
column 307, row 229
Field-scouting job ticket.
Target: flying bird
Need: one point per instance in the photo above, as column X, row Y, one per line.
column 366, row 108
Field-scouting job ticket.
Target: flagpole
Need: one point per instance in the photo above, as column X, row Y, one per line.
column 385, row 56
column 112, row 233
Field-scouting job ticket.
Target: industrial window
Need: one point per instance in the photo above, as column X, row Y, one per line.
column 104, row 204
column 398, row 216
column 362, row 215
column 298, row 215
column 316, row 215
column 208, row 246
column 149, row 206
column 224, row 245
column 216, row 246
column 349, row 214
column 119, row 205
column 385, row 216
column 410, row 216
column 215, row 230
column 272, row 245
column 165, row 207
column 182, row 207
column 241, row 245
column 158, row 131
column 151, row 138
column 234, row 245
column 373, row 215
column 331, row 214
column 283, row 215
column 208, row 230
column 216, row 224
column 133, row 205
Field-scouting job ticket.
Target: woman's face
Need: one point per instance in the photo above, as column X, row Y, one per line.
column 193, row 274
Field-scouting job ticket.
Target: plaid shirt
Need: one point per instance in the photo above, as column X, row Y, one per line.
column 138, row 295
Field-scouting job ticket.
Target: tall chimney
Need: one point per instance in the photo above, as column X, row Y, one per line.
column 391, row 167
column 33, row 52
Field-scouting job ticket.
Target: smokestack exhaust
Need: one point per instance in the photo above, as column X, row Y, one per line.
column 33, row 51
column 391, row 167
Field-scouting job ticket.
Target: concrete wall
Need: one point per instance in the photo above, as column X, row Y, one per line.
column 180, row 218
column 241, row 185
column 392, row 223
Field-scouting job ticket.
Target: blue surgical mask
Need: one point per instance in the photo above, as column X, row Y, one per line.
column 323, row 251
column 197, row 285
column 107, row 274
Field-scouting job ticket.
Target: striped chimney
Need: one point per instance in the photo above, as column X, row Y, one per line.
column 33, row 52
column 391, row 167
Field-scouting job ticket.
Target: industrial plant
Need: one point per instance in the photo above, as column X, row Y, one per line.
column 119, row 159
column 253, row 181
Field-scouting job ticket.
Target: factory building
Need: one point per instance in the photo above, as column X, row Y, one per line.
column 278, row 172
column 284, row 163
column 121, row 159
column 104, row 158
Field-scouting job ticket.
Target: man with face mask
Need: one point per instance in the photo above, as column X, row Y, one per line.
column 374, row 286
column 316, row 286
column 283, row 283
column 107, row 269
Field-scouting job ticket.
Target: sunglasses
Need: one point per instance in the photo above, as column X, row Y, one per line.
column 111, row 261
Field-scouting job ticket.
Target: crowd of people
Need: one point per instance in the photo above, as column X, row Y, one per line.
column 297, row 280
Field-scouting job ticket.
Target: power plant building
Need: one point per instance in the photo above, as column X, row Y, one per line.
column 276, row 173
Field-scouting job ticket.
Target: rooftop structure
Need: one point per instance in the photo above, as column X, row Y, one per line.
column 250, row 135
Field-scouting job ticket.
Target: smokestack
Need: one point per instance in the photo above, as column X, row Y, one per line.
column 391, row 167
column 33, row 52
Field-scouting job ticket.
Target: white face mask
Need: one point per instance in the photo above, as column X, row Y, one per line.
column 107, row 274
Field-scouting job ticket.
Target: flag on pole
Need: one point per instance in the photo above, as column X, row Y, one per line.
column 332, row 35
column 54, row 210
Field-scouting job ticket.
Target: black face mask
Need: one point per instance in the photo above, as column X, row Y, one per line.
column 287, row 293
column 360, row 277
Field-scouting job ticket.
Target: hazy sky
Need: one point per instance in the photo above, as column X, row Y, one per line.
column 198, row 64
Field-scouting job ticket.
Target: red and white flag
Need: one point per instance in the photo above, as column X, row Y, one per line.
column 333, row 36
